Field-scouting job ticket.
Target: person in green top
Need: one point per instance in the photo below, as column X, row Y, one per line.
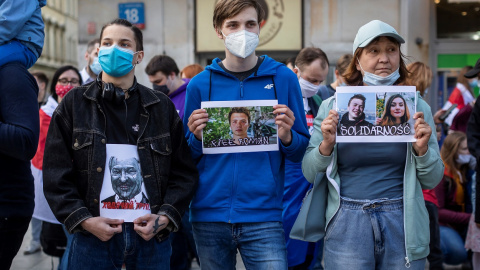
column 375, row 215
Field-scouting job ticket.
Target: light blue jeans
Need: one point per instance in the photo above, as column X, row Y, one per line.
column 89, row 252
column 452, row 245
column 261, row 245
column 36, row 230
column 368, row 234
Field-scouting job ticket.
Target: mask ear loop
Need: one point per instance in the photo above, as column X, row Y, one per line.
column 358, row 60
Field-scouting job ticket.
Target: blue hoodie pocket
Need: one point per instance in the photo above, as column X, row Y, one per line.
column 256, row 185
column 216, row 182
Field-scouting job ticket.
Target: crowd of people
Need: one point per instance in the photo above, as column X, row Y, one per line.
column 105, row 168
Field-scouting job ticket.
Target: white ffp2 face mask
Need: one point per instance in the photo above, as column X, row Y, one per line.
column 242, row 43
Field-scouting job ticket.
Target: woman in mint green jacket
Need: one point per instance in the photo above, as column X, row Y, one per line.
column 375, row 215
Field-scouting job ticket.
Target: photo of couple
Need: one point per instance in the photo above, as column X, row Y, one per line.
column 376, row 114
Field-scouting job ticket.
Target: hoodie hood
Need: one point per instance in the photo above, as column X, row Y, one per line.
column 267, row 68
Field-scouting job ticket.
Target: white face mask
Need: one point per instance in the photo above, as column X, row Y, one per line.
column 373, row 79
column 241, row 43
column 463, row 159
column 308, row 89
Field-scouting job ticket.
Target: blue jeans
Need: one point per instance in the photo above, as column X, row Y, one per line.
column 261, row 245
column 63, row 264
column 89, row 252
column 367, row 234
column 15, row 51
column 452, row 245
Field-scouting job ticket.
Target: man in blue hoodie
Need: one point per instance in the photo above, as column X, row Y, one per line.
column 238, row 204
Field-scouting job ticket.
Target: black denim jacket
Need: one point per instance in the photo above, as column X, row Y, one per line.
column 75, row 155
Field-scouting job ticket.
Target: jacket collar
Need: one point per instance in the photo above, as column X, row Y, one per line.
column 147, row 97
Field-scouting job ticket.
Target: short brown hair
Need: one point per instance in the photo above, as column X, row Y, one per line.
column 307, row 55
column 238, row 110
column 225, row 9
column 191, row 70
column 162, row 63
column 91, row 44
column 420, row 76
column 42, row 77
column 137, row 33
column 354, row 77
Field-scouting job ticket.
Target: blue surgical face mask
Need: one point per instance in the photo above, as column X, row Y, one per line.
column 375, row 80
column 116, row 61
column 95, row 66
column 473, row 83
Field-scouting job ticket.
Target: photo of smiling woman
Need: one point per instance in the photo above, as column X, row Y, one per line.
column 396, row 111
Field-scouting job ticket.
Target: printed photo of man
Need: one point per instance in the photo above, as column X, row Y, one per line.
column 355, row 115
column 239, row 120
column 127, row 180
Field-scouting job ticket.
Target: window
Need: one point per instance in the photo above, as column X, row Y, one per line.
column 458, row 19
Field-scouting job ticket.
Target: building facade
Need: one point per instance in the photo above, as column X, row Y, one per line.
column 61, row 36
column 183, row 30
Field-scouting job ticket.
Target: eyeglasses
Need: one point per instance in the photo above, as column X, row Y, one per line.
column 65, row 81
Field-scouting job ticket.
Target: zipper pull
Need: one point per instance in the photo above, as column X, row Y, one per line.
column 407, row 264
column 241, row 89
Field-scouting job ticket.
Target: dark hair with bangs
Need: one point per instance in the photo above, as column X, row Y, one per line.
column 136, row 32
column 225, row 9
column 57, row 75
column 354, row 77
